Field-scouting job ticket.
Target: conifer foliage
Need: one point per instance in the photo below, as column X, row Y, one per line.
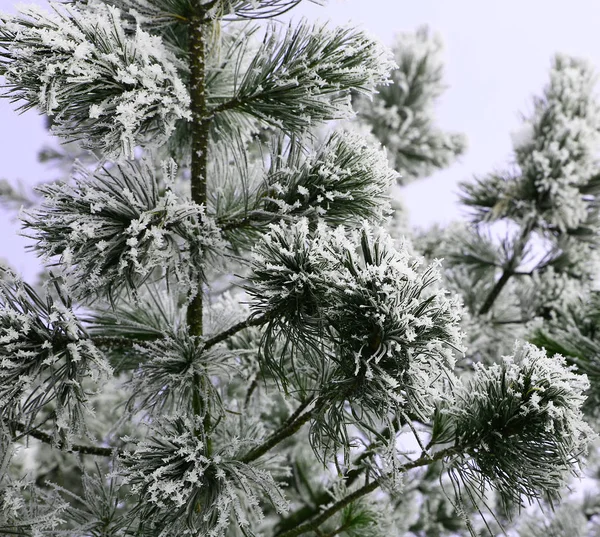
column 230, row 343
column 400, row 115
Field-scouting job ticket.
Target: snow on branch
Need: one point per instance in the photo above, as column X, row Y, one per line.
column 25, row 509
column 304, row 77
column 556, row 151
column 109, row 89
column 45, row 354
column 148, row 12
column 114, row 227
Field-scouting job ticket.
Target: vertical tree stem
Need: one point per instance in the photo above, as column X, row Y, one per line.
column 199, row 165
column 199, row 142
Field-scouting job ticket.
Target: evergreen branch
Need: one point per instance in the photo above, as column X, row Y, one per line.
column 249, row 392
column 222, row 336
column 298, row 411
column 338, row 530
column 47, row 439
column 232, row 104
column 313, row 525
column 236, row 224
column 86, row 93
column 304, row 76
column 509, row 269
column 278, row 436
column 326, row 496
column 125, row 342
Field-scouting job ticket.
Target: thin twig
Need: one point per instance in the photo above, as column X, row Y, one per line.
column 326, row 496
column 246, row 323
column 509, row 269
column 277, row 437
column 47, row 439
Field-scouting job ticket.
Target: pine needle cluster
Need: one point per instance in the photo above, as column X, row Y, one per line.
column 522, row 424
column 45, row 354
column 183, row 488
column 365, row 309
column 115, row 227
column 107, row 89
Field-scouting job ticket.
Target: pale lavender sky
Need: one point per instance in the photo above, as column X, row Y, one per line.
column 497, row 56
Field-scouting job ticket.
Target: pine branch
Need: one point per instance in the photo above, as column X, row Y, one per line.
column 313, row 525
column 325, row 497
column 126, row 343
column 338, row 530
column 253, row 320
column 47, row 439
column 303, row 77
column 495, row 292
column 278, row 436
column 509, row 269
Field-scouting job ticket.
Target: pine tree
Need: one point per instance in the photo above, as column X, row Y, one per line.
column 526, row 262
column 228, row 341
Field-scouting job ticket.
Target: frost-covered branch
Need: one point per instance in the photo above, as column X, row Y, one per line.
column 45, row 356
column 50, row 440
column 106, row 88
column 303, row 77
column 116, row 228
column 401, row 114
column 313, row 525
column 509, row 268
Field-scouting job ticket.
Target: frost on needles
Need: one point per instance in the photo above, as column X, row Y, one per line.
column 230, row 342
column 113, row 228
column 109, row 88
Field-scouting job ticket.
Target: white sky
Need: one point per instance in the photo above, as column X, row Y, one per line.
column 497, row 56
